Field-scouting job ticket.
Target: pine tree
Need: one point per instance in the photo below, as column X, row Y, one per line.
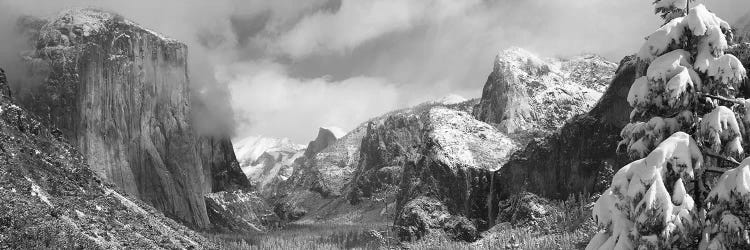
column 683, row 131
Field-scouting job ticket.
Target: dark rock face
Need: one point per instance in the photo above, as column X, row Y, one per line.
column 120, row 93
column 385, row 149
column 220, row 165
column 570, row 160
column 238, row 211
column 325, row 138
column 4, row 87
column 51, row 199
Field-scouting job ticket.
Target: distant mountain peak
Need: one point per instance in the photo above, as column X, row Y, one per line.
column 250, row 148
column 452, row 99
column 337, row 132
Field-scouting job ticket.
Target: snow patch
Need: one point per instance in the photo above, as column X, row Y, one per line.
column 452, row 99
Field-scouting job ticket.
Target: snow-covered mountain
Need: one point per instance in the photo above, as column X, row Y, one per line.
column 266, row 160
column 438, row 149
column 526, row 93
column 250, row 148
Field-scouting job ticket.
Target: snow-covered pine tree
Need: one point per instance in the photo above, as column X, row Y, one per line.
column 671, row 9
column 682, row 126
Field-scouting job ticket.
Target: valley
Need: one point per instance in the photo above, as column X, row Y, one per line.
column 109, row 139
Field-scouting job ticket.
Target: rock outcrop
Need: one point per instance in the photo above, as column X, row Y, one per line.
column 525, row 94
column 121, row 93
column 51, row 199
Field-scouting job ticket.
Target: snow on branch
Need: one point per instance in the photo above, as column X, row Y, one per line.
column 700, row 22
column 639, row 209
column 720, row 133
column 730, row 201
column 639, row 138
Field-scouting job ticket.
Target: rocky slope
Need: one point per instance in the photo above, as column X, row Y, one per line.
column 240, row 212
column 525, row 94
column 51, row 199
column 121, row 94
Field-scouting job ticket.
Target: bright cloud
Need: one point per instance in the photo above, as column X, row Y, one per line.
column 266, row 98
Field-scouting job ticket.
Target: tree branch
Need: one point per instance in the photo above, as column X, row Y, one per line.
column 721, row 98
column 729, row 159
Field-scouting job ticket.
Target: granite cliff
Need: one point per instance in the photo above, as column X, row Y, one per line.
column 51, row 199
column 120, row 93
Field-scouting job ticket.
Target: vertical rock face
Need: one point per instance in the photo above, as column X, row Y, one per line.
column 121, row 93
column 325, row 138
column 51, row 199
column 220, row 165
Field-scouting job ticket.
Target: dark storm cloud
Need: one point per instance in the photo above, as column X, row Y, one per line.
column 246, row 26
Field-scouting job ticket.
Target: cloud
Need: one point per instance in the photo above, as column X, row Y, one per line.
column 331, row 62
column 359, row 21
column 269, row 100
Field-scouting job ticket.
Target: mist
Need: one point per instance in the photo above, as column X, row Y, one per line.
column 284, row 68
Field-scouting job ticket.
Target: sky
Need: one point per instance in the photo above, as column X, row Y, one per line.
column 283, row 68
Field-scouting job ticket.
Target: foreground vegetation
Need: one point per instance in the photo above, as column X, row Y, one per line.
column 565, row 225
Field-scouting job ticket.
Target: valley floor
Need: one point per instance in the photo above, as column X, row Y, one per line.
column 372, row 236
